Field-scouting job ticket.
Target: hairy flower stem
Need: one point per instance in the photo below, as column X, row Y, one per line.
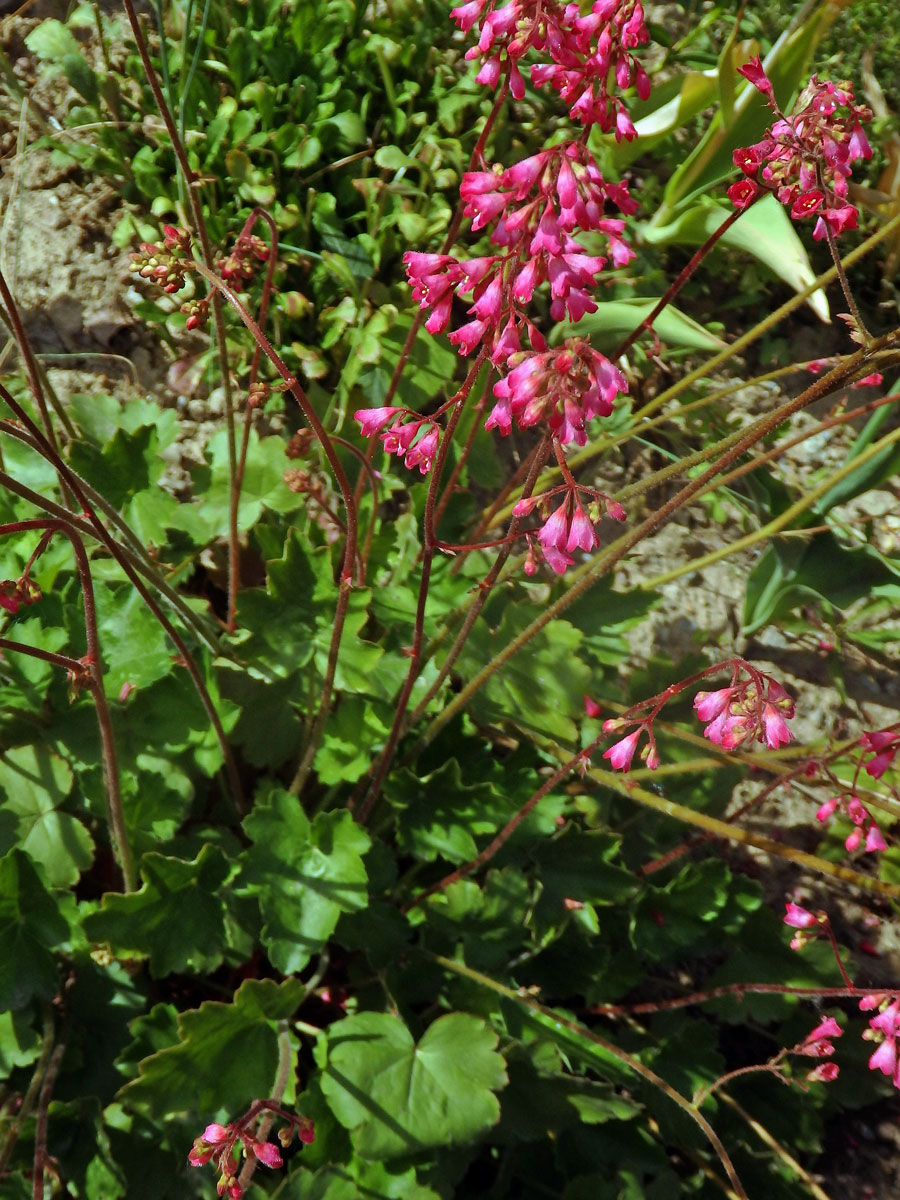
column 134, row 552
column 822, row 387
column 631, row 790
column 459, row 465
column 769, row 322
column 779, row 523
column 485, row 588
column 678, row 283
column 32, row 373
column 92, row 667
column 734, row 990
column 65, row 661
column 485, row 856
column 351, row 539
column 864, row 336
column 192, row 185
column 558, row 1025
column 103, row 535
column 477, row 157
column 40, row 1126
column 429, row 545
column 24, row 1110
column 234, row 569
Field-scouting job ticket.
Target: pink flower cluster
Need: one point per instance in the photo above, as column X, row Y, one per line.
column 415, row 441
column 883, row 744
column 864, row 825
column 739, row 713
column 805, row 159
column 563, row 388
column 582, row 53
column 567, row 528
column 818, row 1043
column 16, row 593
column 535, row 208
column 884, row 1028
column 224, row 1145
column 536, row 211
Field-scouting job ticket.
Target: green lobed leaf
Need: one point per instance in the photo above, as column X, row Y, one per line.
column 135, row 648
column 20, row 1043
column 398, row 1098
column 227, row 1054
column 263, row 486
column 34, row 784
column 540, row 689
column 30, row 926
column 818, row 567
column 51, row 40
column 304, row 874
column 175, row 918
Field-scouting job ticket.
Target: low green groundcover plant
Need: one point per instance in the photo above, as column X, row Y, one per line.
column 352, row 825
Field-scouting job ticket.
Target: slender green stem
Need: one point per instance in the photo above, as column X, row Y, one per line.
column 350, row 505
column 192, row 184
column 429, row 546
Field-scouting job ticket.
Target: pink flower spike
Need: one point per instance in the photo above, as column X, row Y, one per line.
column 876, row 379
column 827, row 810
column 621, row 753
column 213, row 1134
column 806, row 204
column 422, row 454
column 581, row 532
column 873, row 1000
column 591, row 707
column 553, row 531
column 557, row 560
column 799, row 918
column 753, row 70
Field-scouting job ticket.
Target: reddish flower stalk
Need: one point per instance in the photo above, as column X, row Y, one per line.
column 89, row 673
column 757, row 707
